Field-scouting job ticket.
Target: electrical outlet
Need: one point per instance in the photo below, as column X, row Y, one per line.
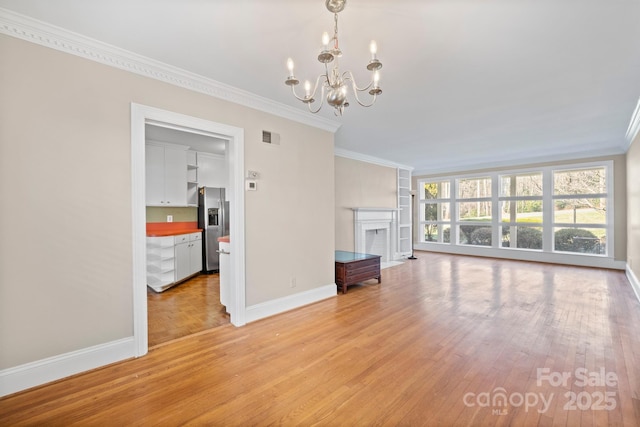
column 293, row 282
column 169, row 218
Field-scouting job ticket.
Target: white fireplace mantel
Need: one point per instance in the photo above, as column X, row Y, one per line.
column 376, row 219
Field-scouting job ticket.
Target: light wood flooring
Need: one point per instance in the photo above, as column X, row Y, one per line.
column 190, row 307
column 436, row 344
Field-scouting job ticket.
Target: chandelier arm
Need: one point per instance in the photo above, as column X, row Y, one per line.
column 319, row 84
column 293, row 90
column 355, row 94
column 321, row 101
column 348, row 75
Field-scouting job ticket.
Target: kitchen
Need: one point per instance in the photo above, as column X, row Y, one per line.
column 187, row 213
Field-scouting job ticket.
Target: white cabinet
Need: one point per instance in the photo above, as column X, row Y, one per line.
column 166, row 175
column 188, row 255
column 172, row 259
column 212, row 170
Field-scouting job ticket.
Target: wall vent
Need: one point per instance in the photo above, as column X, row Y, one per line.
column 270, row 137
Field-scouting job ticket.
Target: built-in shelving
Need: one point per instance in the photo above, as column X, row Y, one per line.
column 404, row 212
column 192, row 178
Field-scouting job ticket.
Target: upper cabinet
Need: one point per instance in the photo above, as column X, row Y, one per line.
column 166, row 175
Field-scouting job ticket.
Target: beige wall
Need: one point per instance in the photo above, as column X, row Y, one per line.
column 620, row 195
column 633, row 207
column 65, row 185
column 360, row 185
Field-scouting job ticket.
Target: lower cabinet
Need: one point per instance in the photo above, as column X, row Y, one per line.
column 172, row 259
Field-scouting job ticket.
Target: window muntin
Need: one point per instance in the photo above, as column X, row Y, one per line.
column 519, row 211
column 523, row 185
column 479, row 211
column 435, row 211
column 437, row 233
column 522, row 237
column 436, row 190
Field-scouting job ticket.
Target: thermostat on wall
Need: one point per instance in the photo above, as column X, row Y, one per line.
column 252, row 186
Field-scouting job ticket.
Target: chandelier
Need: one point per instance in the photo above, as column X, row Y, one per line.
column 333, row 83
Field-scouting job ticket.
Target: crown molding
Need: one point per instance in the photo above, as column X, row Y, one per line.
column 369, row 159
column 32, row 30
column 634, row 126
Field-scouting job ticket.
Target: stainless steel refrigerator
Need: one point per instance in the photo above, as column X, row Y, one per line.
column 213, row 218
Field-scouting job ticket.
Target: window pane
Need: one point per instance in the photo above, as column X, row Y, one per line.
column 581, row 240
column 474, row 188
column 584, row 181
column 522, row 237
column 521, row 185
column 580, row 211
column 436, row 190
column 478, row 235
column 474, row 211
column 431, row 211
column 521, row 211
column 432, row 233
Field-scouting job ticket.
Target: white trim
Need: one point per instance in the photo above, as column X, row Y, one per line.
column 139, row 115
column 524, row 255
column 635, row 284
column 290, row 302
column 634, row 126
column 18, row 378
column 32, row 30
column 369, row 159
column 513, row 162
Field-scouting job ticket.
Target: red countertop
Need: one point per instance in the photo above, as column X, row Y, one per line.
column 224, row 239
column 160, row 229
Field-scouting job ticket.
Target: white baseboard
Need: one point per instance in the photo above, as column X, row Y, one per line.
column 524, row 255
column 13, row 380
column 635, row 284
column 280, row 305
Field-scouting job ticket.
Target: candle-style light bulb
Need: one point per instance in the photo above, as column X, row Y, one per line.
column 325, row 40
column 290, row 66
column 307, row 87
column 373, row 47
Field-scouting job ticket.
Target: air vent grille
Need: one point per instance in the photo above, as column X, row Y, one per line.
column 270, row 137
column 266, row 137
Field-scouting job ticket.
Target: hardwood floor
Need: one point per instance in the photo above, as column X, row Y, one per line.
column 190, row 307
column 437, row 343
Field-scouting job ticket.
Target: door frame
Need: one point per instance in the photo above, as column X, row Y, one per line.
column 141, row 115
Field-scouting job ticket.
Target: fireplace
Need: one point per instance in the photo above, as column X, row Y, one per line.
column 375, row 232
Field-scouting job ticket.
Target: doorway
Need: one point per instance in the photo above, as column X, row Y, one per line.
column 140, row 116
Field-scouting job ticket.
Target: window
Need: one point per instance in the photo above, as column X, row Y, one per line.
column 474, row 206
column 436, row 211
column 563, row 209
column 521, row 216
column 580, row 210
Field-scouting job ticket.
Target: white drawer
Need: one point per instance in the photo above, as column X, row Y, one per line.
column 195, row 236
column 181, row 238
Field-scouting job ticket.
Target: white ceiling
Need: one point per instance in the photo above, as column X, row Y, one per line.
column 467, row 83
